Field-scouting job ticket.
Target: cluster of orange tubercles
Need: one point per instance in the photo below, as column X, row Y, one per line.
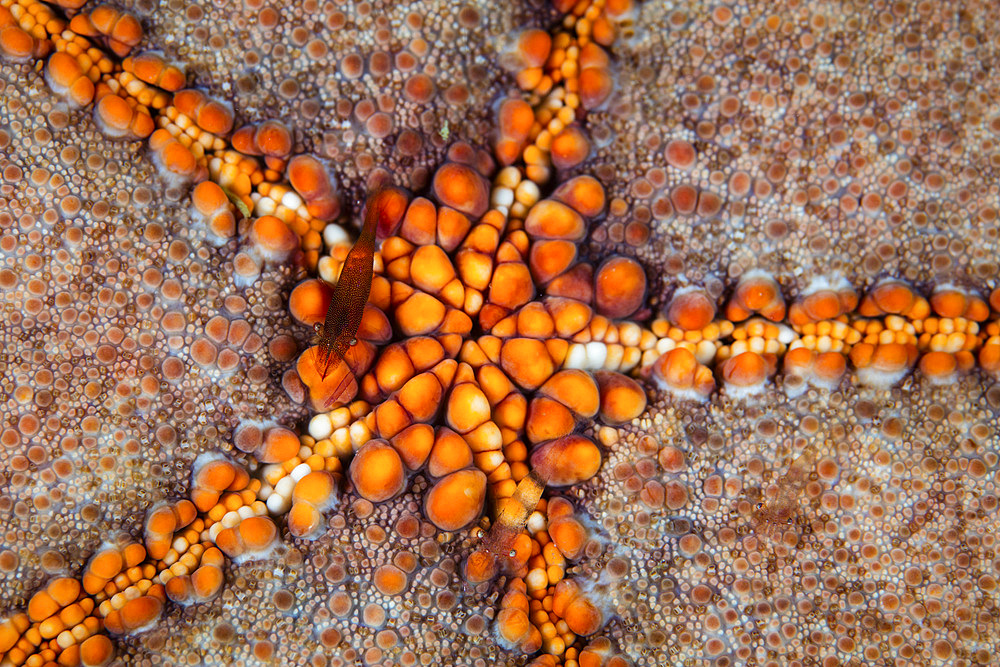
column 196, row 576
column 315, row 492
column 883, row 336
column 557, row 225
column 821, row 303
column 691, row 325
column 271, row 139
column 120, row 116
column 252, row 538
column 211, row 477
column 470, row 412
column 122, row 590
column 563, row 74
column 989, row 354
column 76, row 67
column 898, row 325
column 313, row 182
column 272, row 239
column 106, row 573
column 193, row 125
column 32, row 19
column 125, row 586
column 189, row 133
column 679, row 371
column 159, row 75
column 213, row 207
column 542, row 609
column 597, row 653
column 19, row 44
column 119, row 30
column 68, row 79
column 226, row 498
column 340, row 384
column 513, row 400
column 396, row 438
column 299, row 471
column 59, row 627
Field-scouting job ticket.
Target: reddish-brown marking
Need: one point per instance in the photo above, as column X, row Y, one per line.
column 347, row 305
column 499, row 541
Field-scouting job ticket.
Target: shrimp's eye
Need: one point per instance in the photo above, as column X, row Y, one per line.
column 354, row 341
column 318, row 328
column 511, row 553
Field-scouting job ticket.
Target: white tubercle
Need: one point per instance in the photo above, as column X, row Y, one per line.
column 278, row 504
column 320, row 426
column 334, row 234
column 300, row 471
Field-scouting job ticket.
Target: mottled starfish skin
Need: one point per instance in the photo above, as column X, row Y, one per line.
column 917, row 462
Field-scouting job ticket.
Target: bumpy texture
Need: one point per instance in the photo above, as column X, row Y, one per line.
column 749, row 155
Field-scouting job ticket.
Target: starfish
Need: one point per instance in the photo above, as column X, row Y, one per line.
column 489, row 348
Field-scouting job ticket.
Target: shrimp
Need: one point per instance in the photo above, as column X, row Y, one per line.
column 347, row 304
column 780, row 510
column 500, row 538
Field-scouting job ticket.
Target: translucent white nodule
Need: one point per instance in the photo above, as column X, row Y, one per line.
column 320, row 427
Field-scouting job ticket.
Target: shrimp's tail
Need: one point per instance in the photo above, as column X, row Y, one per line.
column 514, row 515
column 342, row 386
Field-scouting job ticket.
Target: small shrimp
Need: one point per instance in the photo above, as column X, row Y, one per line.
column 781, row 509
column 347, row 304
column 499, row 541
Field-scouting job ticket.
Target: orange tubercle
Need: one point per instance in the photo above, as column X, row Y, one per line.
column 462, row 188
column 757, row 292
column 691, row 309
column 456, row 500
column 619, row 287
column 377, row 471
